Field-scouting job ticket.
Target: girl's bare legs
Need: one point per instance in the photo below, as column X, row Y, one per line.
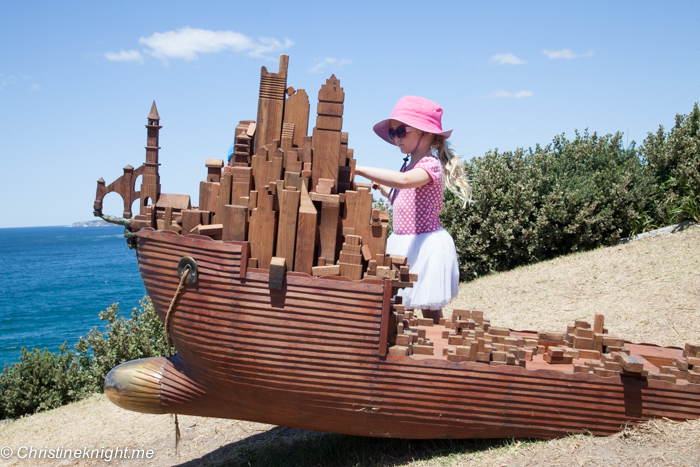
column 435, row 315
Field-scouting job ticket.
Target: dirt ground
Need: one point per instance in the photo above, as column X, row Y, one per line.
column 649, row 291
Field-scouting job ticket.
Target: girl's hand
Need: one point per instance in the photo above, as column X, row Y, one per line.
column 382, row 189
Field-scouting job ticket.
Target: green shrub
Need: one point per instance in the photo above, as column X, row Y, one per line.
column 141, row 336
column 533, row 205
column 674, row 161
column 42, row 380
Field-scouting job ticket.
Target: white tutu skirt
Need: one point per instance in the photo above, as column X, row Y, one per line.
column 433, row 257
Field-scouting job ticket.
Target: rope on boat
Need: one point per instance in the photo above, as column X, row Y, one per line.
column 168, row 315
column 185, row 273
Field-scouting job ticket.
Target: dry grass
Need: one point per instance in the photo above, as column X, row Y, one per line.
column 649, row 291
column 656, row 443
column 97, row 423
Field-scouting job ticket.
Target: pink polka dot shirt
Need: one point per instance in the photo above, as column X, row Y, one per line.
column 417, row 210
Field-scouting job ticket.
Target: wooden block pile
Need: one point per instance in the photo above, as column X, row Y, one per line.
column 616, row 363
column 289, row 195
column 166, row 214
column 583, row 341
column 607, row 354
column 350, row 260
column 610, row 357
column 559, row 355
column 394, row 267
column 404, row 339
column 691, row 366
column 470, row 337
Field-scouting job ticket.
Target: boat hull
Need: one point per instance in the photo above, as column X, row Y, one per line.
column 313, row 355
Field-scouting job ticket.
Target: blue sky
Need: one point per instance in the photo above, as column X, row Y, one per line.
column 77, row 80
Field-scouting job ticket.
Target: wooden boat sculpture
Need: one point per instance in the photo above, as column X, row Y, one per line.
column 287, row 314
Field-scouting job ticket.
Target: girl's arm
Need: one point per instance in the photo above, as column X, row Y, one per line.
column 401, row 180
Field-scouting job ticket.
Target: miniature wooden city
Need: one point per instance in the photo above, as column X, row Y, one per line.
column 293, row 197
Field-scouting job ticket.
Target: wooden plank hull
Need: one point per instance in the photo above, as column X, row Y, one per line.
column 308, row 356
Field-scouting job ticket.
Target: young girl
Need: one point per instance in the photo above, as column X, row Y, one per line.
column 415, row 126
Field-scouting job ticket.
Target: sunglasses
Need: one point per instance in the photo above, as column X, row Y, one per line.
column 399, row 132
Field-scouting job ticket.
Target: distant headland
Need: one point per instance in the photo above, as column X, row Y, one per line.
column 95, row 223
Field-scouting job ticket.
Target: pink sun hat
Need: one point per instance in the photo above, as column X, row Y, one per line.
column 417, row 112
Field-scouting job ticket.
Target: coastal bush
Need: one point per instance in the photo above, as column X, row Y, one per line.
column 673, row 159
column 140, row 336
column 42, row 380
column 574, row 195
column 535, row 204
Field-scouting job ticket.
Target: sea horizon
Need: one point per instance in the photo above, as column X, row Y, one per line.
column 61, row 225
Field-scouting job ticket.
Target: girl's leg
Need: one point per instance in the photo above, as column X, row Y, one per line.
column 435, row 315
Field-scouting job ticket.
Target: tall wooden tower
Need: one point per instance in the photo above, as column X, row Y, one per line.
column 271, row 104
column 150, row 183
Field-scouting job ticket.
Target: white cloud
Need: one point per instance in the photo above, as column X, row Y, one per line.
column 505, row 94
column 36, row 86
column 187, row 43
column 565, row 53
column 322, row 63
column 507, row 59
column 269, row 44
column 125, row 56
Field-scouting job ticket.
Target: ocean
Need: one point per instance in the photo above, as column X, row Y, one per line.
column 56, row 280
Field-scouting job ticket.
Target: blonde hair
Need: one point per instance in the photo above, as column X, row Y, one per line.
column 452, row 169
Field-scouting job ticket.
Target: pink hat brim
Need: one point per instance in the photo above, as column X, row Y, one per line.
column 382, row 129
